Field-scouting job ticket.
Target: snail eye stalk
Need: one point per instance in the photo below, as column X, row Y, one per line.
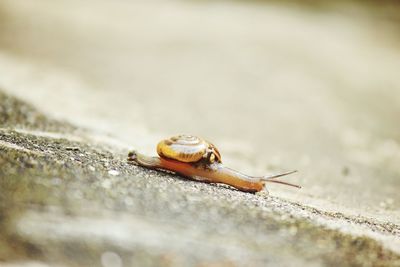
column 271, row 179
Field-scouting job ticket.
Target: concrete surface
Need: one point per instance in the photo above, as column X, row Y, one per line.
column 274, row 87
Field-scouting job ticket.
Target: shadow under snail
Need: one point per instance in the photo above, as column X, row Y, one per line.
column 200, row 160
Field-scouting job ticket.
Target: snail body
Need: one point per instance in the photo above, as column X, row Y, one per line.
column 200, row 160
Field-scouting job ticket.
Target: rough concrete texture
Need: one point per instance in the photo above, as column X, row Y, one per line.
column 70, row 202
column 274, row 87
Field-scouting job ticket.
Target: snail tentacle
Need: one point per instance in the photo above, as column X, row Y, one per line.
column 265, row 178
column 272, row 179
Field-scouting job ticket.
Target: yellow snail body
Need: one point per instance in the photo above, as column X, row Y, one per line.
column 200, row 160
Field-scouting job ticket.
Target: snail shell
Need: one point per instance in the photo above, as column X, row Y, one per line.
column 188, row 148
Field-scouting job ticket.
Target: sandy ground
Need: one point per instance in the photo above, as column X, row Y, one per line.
column 274, row 87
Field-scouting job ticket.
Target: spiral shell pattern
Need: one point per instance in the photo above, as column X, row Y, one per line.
column 187, row 148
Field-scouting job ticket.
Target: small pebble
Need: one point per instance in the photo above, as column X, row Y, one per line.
column 113, row 172
column 111, row 259
column 72, row 148
column 106, row 184
column 128, row 201
column 56, row 181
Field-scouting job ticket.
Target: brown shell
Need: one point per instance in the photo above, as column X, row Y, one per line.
column 188, row 148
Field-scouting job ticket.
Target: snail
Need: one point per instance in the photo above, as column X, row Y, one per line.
column 200, row 160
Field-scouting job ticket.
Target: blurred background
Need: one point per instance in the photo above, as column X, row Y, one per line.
column 277, row 86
